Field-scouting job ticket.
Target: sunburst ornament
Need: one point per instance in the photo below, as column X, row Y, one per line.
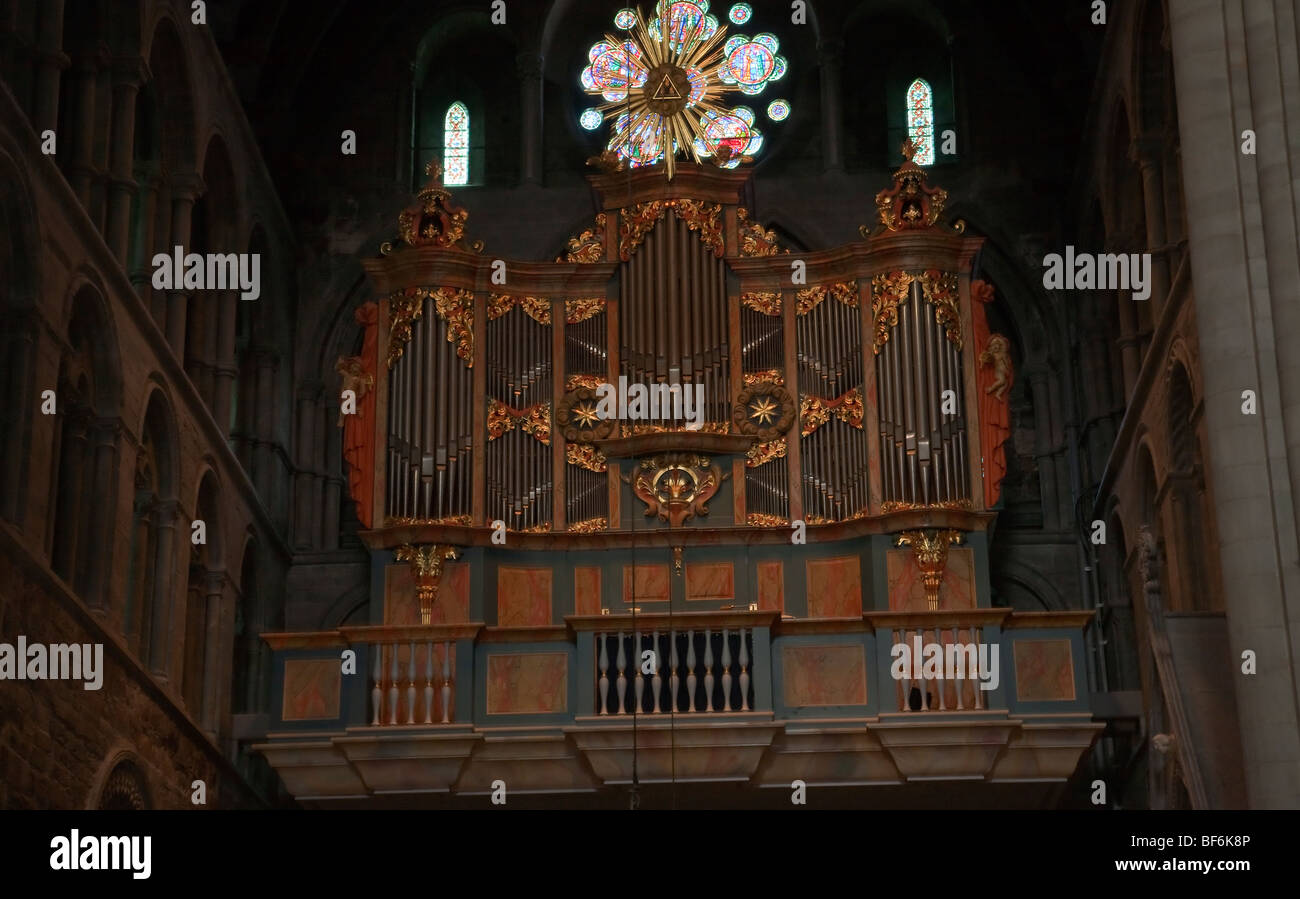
column 667, row 79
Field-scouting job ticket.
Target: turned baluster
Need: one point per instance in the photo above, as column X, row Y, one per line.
column 744, row 673
column 674, row 682
column 602, row 695
column 640, row 670
column 446, row 682
column 428, row 682
column 943, row 671
column 726, row 670
column 690, row 668
column 657, row 682
column 620, row 686
column 377, row 693
column 978, row 634
column 392, row 686
column 410, row 685
column 961, row 682
column 708, row 669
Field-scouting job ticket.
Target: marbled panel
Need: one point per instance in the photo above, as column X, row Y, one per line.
column 523, row 597
column 824, row 675
column 770, row 585
column 835, row 587
column 311, row 689
column 533, row 683
column 710, row 581
column 650, row 585
column 586, row 590
column 1044, row 670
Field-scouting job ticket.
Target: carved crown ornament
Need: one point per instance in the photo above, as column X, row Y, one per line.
column 676, row 487
column 911, row 204
column 426, row 570
column 930, row 547
column 433, row 220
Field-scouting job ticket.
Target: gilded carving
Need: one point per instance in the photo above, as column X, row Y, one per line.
column 762, row 453
column 535, row 420
column 582, row 309
column 766, row 302
column 775, row 375
column 887, row 291
column 456, row 308
column 587, row 247
column 426, row 570
column 911, row 203
column 578, row 416
column 538, row 309
column 636, row 221
column 930, row 547
column 584, row 455
column 940, row 291
column 810, row 297
column 814, row 411
column 765, row 411
column 676, row 487
column 590, row 526
column 433, row 220
column 764, row 520
column 899, row 506
column 754, row 239
column 355, row 378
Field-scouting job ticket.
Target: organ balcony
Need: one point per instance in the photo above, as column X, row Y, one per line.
column 680, row 506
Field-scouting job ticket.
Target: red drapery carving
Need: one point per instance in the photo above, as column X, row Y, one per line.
column 994, row 379
column 359, row 429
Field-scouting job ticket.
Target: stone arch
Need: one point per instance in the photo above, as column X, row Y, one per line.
column 171, row 77
column 250, row 670
column 86, row 446
column 211, row 231
column 1022, row 587
column 155, row 530
column 203, row 598
column 1185, row 493
column 120, row 784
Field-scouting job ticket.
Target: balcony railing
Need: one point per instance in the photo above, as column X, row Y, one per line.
column 676, row 671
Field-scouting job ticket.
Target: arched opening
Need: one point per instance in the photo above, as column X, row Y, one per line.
column 1187, row 499
column 203, row 608
column 252, row 657
column 125, row 789
column 211, row 232
column 86, row 447
column 148, row 593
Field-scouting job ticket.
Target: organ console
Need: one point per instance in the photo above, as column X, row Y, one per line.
column 837, row 385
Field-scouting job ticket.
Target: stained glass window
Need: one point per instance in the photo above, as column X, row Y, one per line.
column 920, row 121
column 455, row 145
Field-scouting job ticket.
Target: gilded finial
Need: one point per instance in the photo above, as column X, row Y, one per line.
column 434, row 170
column 908, row 149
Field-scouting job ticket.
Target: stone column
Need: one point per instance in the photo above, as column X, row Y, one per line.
column 71, row 484
column 1129, row 342
column 102, row 513
column 1145, row 151
column 264, row 437
column 1043, row 452
column 305, row 483
column 828, row 57
column 530, row 93
column 213, row 588
column 1235, row 68
column 81, row 143
column 127, row 76
column 183, row 193
column 228, row 308
column 160, row 635
column 50, row 64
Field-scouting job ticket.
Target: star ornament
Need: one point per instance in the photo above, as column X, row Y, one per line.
column 586, row 415
column 763, row 410
column 666, row 81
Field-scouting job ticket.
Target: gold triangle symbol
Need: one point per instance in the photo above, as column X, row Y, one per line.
column 666, row 90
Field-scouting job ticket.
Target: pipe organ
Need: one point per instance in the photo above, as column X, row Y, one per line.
column 836, row 384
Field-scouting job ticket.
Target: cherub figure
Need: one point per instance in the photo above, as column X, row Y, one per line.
column 997, row 352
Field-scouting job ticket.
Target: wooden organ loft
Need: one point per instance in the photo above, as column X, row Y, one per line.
column 527, row 551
